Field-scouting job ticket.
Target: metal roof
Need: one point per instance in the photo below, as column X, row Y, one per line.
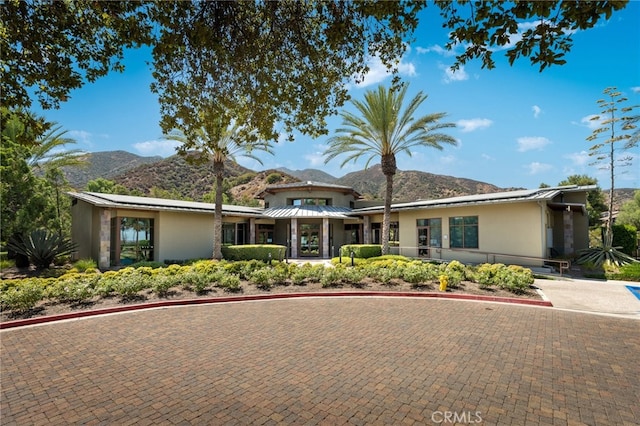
column 146, row 203
column 492, row 198
column 283, row 212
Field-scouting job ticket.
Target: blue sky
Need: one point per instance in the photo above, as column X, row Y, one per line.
column 516, row 127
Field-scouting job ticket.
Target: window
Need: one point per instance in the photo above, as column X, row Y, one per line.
column 429, row 235
column 463, row 232
column 234, row 233
column 394, row 233
column 265, row 234
column 131, row 240
column 352, row 233
column 309, row 201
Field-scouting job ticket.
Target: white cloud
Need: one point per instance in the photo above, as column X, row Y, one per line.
column 528, row 143
column 487, row 157
column 437, row 49
column 635, row 89
column 473, row 124
column 537, row 168
column 315, row 158
column 591, row 121
column 82, row 137
column 379, row 72
column 536, row 111
column 578, row 158
column 451, row 76
column 447, row 159
column 163, row 148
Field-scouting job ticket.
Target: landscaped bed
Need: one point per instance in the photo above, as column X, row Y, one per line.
column 27, row 294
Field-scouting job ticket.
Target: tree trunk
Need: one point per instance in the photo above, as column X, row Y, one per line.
column 389, row 169
column 218, row 169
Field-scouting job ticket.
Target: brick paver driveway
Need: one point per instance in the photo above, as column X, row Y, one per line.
column 326, row 361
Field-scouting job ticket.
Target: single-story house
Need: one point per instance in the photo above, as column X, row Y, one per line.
column 315, row 219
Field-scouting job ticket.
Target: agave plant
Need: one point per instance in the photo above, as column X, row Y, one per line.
column 604, row 254
column 42, row 247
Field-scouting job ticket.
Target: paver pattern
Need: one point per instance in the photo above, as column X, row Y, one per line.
column 326, row 361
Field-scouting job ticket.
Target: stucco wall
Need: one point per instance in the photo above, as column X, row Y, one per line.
column 280, row 198
column 81, row 228
column 182, row 236
column 515, row 229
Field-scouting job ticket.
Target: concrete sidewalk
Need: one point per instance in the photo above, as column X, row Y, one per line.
column 611, row 298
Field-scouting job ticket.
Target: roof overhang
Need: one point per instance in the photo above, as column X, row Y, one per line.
column 159, row 204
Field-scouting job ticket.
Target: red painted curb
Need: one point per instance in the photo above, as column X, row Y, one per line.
column 201, row 301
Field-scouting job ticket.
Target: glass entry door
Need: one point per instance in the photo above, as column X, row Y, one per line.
column 310, row 237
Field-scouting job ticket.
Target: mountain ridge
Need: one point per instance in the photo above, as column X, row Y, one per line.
column 178, row 178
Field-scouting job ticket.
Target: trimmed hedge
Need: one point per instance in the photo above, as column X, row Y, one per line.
column 254, row 251
column 362, row 251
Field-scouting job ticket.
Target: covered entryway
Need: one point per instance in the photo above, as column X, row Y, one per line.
column 310, row 239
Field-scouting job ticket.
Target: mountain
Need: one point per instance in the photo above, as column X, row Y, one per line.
column 175, row 177
column 192, row 181
column 313, row 175
column 106, row 164
column 412, row 185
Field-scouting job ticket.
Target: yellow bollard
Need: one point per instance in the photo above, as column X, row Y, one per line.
column 444, row 280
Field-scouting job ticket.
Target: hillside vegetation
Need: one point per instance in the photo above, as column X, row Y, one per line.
column 188, row 181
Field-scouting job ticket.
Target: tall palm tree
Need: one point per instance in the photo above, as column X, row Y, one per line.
column 383, row 130
column 218, row 141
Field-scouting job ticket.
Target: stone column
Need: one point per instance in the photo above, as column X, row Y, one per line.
column 567, row 227
column 325, row 238
column 366, row 230
column 104, row 250
column 252, row 230
column 294, row 238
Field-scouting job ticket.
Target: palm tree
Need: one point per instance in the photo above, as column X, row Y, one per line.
column 218, row 141
column 383, row 130
column 48, row 157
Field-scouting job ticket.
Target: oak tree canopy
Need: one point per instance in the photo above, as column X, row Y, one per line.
column 275, row 66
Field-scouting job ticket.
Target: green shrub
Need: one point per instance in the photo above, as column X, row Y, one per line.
column 72, row 288
column 625, row 237
column 161, row 284
column 485, row 274
column 514, row 278
column 7, row 263
column 130, row 282
column 628, row 272
column 199, row 281
column 332, row 277
column 83, row 264
column 353, row 276
column 419, row 273
column 148, row 264
column 230, row 283
column 22, row 297
column 455, row 273
column 254, row 251
column 389, row 257
column 266, row 278
column 261, row 278
column 249, row 267
column 273, row 178
column 362, row 251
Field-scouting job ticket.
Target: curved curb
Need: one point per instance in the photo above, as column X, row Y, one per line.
column 212, row 300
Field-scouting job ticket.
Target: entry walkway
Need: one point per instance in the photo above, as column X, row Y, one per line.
column 325, row 361
column 594, row 296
